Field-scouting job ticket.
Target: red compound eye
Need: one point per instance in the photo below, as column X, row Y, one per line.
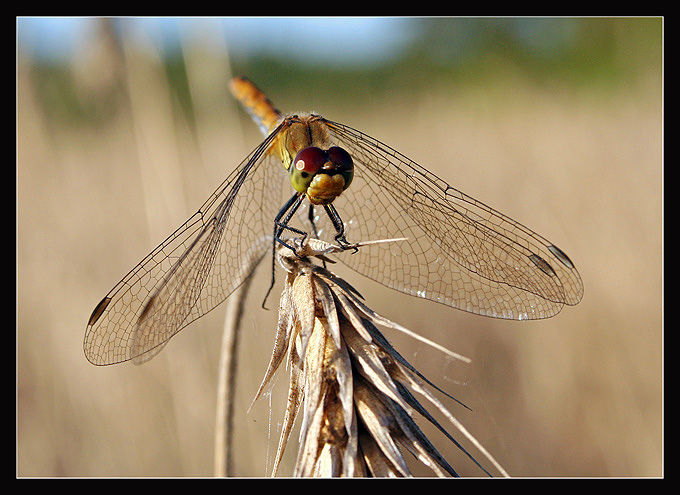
column 305, row 166
column 310, row 160
column 340, row 159
column 343, row 163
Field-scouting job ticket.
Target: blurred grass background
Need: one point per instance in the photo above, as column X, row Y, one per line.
column 555, row 122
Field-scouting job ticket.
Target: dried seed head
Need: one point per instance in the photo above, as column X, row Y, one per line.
column 354, row 389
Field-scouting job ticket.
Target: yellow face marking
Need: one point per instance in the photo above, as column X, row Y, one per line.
column 325, row 188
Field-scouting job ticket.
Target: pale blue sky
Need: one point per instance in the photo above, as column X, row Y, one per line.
column 343, row 39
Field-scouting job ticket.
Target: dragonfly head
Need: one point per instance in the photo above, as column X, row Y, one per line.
column 321, row 174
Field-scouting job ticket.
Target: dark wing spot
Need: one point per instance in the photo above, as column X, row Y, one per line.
column 560, row 255
column 96, row 314
column 542, row 264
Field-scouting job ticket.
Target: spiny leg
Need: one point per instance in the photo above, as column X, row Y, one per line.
column 339, row 227
column 280, row 225
column 288, row 210
column 310, row 217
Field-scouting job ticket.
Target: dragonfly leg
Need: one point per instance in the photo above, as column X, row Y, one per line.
column 281, row 223
column 339, row 227
column 310, row 217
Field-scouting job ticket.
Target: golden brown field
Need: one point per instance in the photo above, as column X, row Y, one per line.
column 576, row 395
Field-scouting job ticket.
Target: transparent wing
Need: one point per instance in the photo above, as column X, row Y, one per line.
column 194, row 269
column 460, row 252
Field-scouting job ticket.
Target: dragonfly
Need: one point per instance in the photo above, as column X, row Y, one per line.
column 313, row 176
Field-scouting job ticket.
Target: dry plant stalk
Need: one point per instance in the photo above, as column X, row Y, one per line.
column 353, row 388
